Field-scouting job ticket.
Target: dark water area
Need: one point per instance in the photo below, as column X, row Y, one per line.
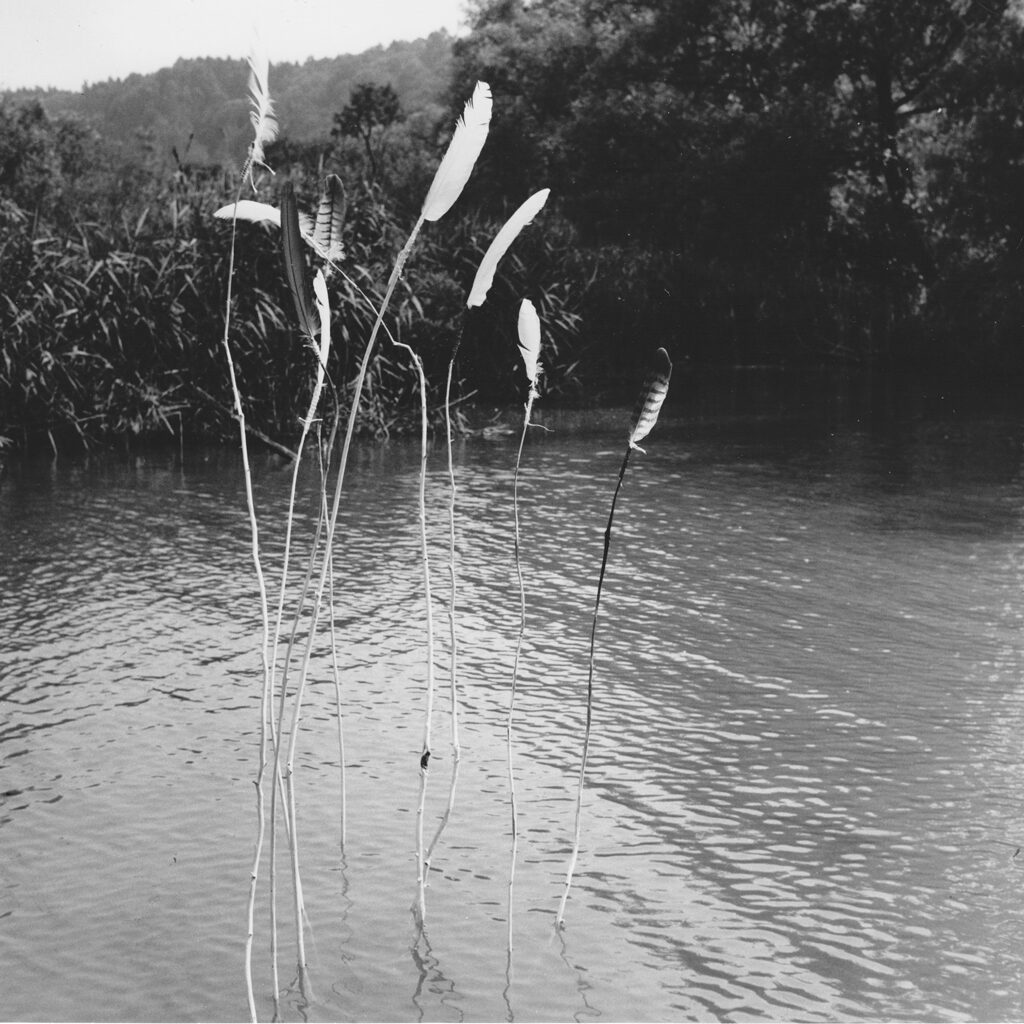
column 804, row 796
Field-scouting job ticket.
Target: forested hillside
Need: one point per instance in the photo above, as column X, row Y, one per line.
column 200, row 105
column 830, row 183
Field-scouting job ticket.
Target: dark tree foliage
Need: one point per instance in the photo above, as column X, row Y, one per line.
column 370, row 111
column 764, row 179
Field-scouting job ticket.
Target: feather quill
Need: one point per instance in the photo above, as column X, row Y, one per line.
column 457, row 164
column 294, row 262
column 499, row 246
column 264, row 122
column 652, row 394
column 529, row 341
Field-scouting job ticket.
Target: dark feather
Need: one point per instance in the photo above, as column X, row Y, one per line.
column 295, row 262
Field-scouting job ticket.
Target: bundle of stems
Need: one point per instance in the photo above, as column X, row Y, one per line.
column 482, row 282
column 652, row 395
column 264, row 131
column 447, row 185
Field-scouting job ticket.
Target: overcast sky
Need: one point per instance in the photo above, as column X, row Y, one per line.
column 68, row 43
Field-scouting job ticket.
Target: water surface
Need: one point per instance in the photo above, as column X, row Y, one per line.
column 804, row 792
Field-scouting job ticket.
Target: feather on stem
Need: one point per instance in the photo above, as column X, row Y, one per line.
column 295, row 263
column 264, row 123
column 652, row 394
column 499, row 246
column 457, row 164
column 529, row 341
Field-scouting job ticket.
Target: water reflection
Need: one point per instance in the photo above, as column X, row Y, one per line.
column 803, row 790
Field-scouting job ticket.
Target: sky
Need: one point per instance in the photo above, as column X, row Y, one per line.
column 69, row 43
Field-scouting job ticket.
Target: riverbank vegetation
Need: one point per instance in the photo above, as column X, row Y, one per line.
column 743, row 182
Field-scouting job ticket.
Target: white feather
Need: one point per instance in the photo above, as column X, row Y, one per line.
column 324, row 309
column 529, row 339
column 457, row 165
column 249, row 209
column 264, row 122
column 502, row 240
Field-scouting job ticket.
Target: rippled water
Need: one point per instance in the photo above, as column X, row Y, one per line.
column 805, row 786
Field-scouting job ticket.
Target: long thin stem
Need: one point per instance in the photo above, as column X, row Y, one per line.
column 335, row 669
column 453, row 572
column 276, row 732
column 421, row 860
column 289, row 773
column 264, row 610
column 515, row 666
column 590, row 694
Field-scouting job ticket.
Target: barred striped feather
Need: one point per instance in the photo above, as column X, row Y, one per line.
column 330, row 219
column 653, row 393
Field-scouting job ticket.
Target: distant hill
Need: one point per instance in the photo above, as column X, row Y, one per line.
column 206, row 98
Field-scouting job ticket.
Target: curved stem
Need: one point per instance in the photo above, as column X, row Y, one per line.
column 453, row 571
column 590, row 695
column 261, row 582
column 289, row 772
column 421, row 860
column 515, row 667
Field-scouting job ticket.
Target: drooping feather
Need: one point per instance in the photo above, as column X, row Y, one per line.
column 323, row 308
column 330, row 220
column 502, row 240
column 457, row 164
column 529, row 340
column 652, row 394
column 294, row 262
column 264, row 122
column 249, row 209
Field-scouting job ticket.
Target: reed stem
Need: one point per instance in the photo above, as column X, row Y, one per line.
column 590, row 695
column 515, row 664
column 422, row 864
column 289, row 772
column 453, row 571
column 265, row 613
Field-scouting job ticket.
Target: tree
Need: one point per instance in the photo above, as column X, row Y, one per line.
column 781, row 157
column 370, row 111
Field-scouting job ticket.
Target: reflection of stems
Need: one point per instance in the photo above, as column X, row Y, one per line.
column 452, row 569
column 515, row 666
column 590, row 693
